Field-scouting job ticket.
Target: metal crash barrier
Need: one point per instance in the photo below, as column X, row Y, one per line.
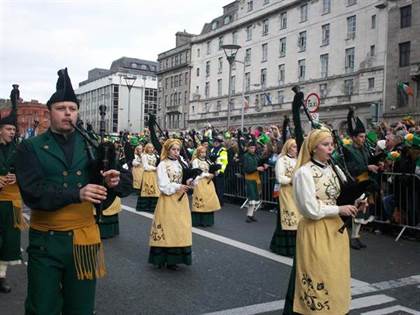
column 396, row 203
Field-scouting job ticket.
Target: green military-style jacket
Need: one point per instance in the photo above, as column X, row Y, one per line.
column 357, row 159
column 250, row 163
column 7, row 158
column 54, row 164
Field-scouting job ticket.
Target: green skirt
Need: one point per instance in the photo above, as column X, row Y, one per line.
column 9, row 235
column 160, row 256
column 109, row 227
column 252, row 190
column 202, row 218
column 146, row 204
column 283, row 242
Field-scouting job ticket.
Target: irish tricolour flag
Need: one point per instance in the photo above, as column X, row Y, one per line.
column 406, row 88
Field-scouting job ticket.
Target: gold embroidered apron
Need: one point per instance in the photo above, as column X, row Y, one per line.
column 137, row 172
column 150, row 186
column 322, row 284
column 171, row 225
column 289, row 213
column 204, row 198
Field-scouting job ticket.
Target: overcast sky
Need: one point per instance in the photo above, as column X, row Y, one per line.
column 39, row 37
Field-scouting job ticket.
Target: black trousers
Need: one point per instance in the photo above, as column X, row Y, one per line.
column 219, row 183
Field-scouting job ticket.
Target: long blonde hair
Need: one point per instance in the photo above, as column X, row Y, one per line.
column 287, row 146
column 148, row 147
column 198, row 151
column 167, row 146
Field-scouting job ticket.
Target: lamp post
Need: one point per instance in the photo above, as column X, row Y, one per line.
column 230, row 52
column 129, row 82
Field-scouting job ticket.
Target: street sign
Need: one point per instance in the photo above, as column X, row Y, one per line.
column 315, row 116
column 312, row 102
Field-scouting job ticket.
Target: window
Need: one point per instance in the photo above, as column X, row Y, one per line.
column 266, row 2
column 180, row 80
column 207, row 90
column 207, row 68
column 282, row 47
column 219, row 87
column 372, row 50
column 186, row 78
column 235, row 38
column 264, row 48
column 301, row 69
column 208, row 48
column 373, row 22
column 232, row 85
column 348, row 87
column 248, row 56
column 323, row 91
column 214, row 25
column 324, row 66
column 325, row 34
column 247, row 81
column 172, row 82
column 198, row 72
column 219, row 106
column 302, row 41
column 249, row 32
column 371, row 83
column 220, row 67
column 405, row 14
column 326, row 6
column 280, row 96
column 304, row 12
column 263, row 80
column 226, row 19
column 250, row 6
column 281, row 74
column 167, row 82
column 351, row 27
column 351, row 2
column 349, row 62
column 283, row 20
column 220, row 42
column 405, row 54
column 265, row 27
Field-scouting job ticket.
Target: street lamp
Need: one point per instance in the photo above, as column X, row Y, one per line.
column 230, row 52
column 129, row 81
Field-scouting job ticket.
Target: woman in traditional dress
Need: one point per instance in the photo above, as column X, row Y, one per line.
column 284, row 238
column 204, row 200
column 171, row 234
column 149, row 189
column 137, row 172
column 320, row 278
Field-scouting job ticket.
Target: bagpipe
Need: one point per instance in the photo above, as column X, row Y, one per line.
column 102, row 157
column 187, row 171
column 350, row 189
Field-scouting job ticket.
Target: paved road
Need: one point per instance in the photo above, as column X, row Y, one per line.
column 233, row 272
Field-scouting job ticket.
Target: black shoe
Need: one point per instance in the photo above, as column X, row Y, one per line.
column 4, row 286
column 355, row 244
column 253, row 219
column 361, row 245
column 172, row 267
column 249, row 220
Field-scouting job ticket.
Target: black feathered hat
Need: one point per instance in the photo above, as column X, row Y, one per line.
column 358, row 128
column 9, row 119
column 65, row 92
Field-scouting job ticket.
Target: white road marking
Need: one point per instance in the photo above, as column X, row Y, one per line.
column 278, row 305
column 392, row 309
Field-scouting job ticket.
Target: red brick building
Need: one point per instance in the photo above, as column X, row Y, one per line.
column 28, row 113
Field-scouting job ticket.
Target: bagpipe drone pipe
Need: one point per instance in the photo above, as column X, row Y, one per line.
column 350, row 190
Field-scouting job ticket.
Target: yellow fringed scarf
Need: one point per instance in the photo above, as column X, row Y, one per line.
column 12, row 193
column 87, row 247
column 255, row 176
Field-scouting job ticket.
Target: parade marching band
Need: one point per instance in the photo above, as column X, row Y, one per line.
column 75, row 198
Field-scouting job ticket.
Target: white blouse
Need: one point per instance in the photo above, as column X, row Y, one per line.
column 284, row 169
column 204, row 166
column 304, row 191
column 149, row 161
column 137, row 160
column 169, row 173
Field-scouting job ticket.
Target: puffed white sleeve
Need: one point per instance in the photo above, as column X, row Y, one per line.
column 146, row 165
column 280, row 170
column 136, row 161
column 165, row 186
column 195, row 164
column 305, row 196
